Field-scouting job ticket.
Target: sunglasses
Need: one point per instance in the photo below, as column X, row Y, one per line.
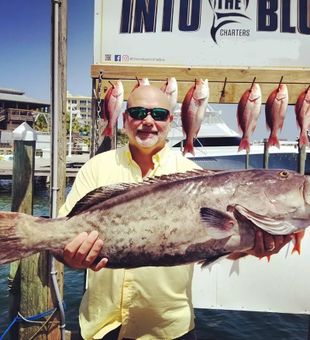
column 157, row 113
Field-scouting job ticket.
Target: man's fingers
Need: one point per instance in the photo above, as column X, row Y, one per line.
column 72, row 247
column 93, row 253
column 269, row 242
column 101, row 264
column 86, row 246
column 266, row 244
column 259, row 246
column 83, row 251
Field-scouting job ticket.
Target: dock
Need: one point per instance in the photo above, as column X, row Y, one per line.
column 43, row 166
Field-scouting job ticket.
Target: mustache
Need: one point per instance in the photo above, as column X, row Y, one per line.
column 147, row 130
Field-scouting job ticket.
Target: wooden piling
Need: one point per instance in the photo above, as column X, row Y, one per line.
column 29, row 277
column 22, row 201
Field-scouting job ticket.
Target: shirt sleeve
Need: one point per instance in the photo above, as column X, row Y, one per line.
column 85, row 182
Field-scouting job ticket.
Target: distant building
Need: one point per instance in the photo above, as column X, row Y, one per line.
column 16, row 108
column 81, row 108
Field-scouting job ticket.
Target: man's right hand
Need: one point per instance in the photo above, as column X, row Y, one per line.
column 83, row 250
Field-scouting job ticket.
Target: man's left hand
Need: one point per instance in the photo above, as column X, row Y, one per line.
column 264, row 245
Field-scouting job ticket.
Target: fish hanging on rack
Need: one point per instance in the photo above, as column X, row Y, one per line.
column 141, row 82
column 193, row 111
column 113, row 101
column 302, row 110
column 170, row 88
column 275, row 111
column 248, row 111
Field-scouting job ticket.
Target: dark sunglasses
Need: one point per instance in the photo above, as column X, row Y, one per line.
column 157, row 113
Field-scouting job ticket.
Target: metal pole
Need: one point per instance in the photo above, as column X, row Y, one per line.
column 302, row 156
column 247, row 160
column 266, row 155
column 70, row 133
column 55, row 105
column 94, row 108
column 54, row 149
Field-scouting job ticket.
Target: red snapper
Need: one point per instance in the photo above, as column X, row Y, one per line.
column 113, row 101
column 247, row 114
column 302, row 110
column 193, row 111
column 170, row 88
column 275, row 110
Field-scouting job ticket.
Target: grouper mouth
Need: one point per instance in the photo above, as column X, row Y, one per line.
column 277, row 225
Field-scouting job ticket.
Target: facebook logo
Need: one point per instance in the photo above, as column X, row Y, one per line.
column 117, row 57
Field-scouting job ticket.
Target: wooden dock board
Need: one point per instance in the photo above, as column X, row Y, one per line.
column 42, row 166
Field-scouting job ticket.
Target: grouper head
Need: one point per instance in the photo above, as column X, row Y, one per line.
column 277, row 201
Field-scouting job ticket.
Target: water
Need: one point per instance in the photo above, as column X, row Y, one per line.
column 210, row 324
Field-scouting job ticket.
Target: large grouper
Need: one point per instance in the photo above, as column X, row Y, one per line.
column 174, row 219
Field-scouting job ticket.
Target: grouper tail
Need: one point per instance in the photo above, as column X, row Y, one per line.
column 11, row 242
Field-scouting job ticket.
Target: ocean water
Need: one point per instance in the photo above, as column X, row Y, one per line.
column 210, row 324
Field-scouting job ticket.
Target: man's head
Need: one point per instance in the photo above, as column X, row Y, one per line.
column 147, row 129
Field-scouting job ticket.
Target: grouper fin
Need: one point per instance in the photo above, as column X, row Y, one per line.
column 219, row 224
column 179, row 176
column 105, row 193
column 210, row 260
column 11, row 247
column 99, row 195
column 274, row 226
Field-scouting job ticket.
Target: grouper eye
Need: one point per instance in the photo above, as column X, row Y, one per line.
column 284, row 174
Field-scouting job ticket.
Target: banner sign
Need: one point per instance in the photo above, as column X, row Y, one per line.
column 207, row 33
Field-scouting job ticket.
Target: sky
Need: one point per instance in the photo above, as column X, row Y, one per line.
column 25, row 55
column 25, row 37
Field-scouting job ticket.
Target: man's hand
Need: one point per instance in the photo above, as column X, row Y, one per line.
column 83, row 250
column 264, row 245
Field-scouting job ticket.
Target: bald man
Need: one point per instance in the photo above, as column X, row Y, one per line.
column 142, row 303
column 148, row 302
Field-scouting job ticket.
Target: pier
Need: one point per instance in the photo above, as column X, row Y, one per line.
column 43, row 165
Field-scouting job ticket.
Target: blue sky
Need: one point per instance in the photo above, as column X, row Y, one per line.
column 25, row 55
column 25, row 46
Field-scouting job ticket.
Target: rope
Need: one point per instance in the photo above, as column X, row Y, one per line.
column 31, row 319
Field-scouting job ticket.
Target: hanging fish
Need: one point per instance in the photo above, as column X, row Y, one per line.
column 275, row 110
column 141, row 82
column 113, row 101
column 247, row 114
column 192, row 112
column 302, row 110
column 170, row 88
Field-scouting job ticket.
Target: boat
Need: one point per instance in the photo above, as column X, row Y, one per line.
column 216, row 147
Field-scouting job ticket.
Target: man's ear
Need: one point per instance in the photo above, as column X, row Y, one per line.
column 171, row 117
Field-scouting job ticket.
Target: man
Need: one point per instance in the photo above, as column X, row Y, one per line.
column 149, row 302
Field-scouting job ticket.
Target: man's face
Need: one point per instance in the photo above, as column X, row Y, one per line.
column 147, row 133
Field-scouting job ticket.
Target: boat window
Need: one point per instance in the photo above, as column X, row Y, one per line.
column 214, row 141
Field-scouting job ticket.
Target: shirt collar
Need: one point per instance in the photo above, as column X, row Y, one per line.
column 158, row 158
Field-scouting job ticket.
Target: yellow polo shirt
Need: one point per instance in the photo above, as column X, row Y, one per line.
column 149, row 302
